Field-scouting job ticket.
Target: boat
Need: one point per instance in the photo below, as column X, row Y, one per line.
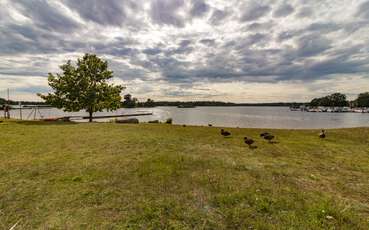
column 322, row 109
column 358, row 110
column 295, row 108
column 346, row 109
column 335, row 110
column 186, row 106
column 314, row 110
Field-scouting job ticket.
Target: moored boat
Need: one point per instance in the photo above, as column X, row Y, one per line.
column 186, row 106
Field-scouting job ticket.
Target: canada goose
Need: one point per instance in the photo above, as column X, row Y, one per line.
column 322, row 134
column 210, row 125
column 248, row 141
column 269, row 137
column 224, row 133
column 264, row 134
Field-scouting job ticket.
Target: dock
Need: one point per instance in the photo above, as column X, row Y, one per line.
column 69, row 118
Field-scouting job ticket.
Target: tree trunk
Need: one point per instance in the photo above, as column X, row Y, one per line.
column 90, row 117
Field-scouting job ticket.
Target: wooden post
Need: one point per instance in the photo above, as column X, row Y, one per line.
column 7, row 109
column 20, row 110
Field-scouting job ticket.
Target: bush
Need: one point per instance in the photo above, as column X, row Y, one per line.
column 128, row 121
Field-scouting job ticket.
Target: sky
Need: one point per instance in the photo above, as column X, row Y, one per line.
column 225, row 50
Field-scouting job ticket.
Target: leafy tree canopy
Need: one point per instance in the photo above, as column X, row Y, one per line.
column 333, row 100
column 84, row 86
column 363, row 100
column 129, row 101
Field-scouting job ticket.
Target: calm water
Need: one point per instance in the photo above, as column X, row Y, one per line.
column 252, row 117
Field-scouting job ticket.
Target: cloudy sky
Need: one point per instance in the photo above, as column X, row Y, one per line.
column 241, row 51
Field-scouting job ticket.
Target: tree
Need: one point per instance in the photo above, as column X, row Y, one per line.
column 84, row 86
column 333, row 100
column 3, row 101
column 363, row 100
column 127, row 97
column 129, row 102
column 353, row 104
column 149, row 103
column 315, row 102
column 337, row 99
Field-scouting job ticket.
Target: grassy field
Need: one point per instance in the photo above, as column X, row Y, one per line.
column 156, row 176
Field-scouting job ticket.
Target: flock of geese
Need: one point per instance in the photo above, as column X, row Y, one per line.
column 265, row 135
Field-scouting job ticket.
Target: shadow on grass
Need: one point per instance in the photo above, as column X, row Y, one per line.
column 23, row 122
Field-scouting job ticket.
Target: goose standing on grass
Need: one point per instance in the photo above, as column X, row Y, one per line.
column 248, row 141
column 224, row 133
column 269, row 137
column 322, row 134
column 264, row 134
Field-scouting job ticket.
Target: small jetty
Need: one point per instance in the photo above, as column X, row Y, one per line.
column 69, row 118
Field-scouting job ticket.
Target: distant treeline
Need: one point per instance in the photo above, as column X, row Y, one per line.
column 340, row 100
column 216, row 103
column 131, row 102
column 332, row 100
column 4, row 101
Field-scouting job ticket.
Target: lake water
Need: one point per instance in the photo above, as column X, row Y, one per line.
column 245, row 116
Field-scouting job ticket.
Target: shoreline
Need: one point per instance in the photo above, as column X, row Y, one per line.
column 174, row 124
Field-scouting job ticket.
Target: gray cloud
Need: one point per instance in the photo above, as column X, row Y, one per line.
column 154, row 41
column 208, row 41
column 164, row 12
column 182, row 47
column 312, row 45
column 107, row 12
column 363, row 10
column 317, row 28
column 23, row 39
column 152, row 51
column 199, row 8
column 254, row 11
column 46, row 16
column 256, row 26
column 283, row 10
column 218, row 16
column 325, row 27
column 305, row 12
column 252, row 39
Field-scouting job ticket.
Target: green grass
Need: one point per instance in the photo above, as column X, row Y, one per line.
column 155, row 176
